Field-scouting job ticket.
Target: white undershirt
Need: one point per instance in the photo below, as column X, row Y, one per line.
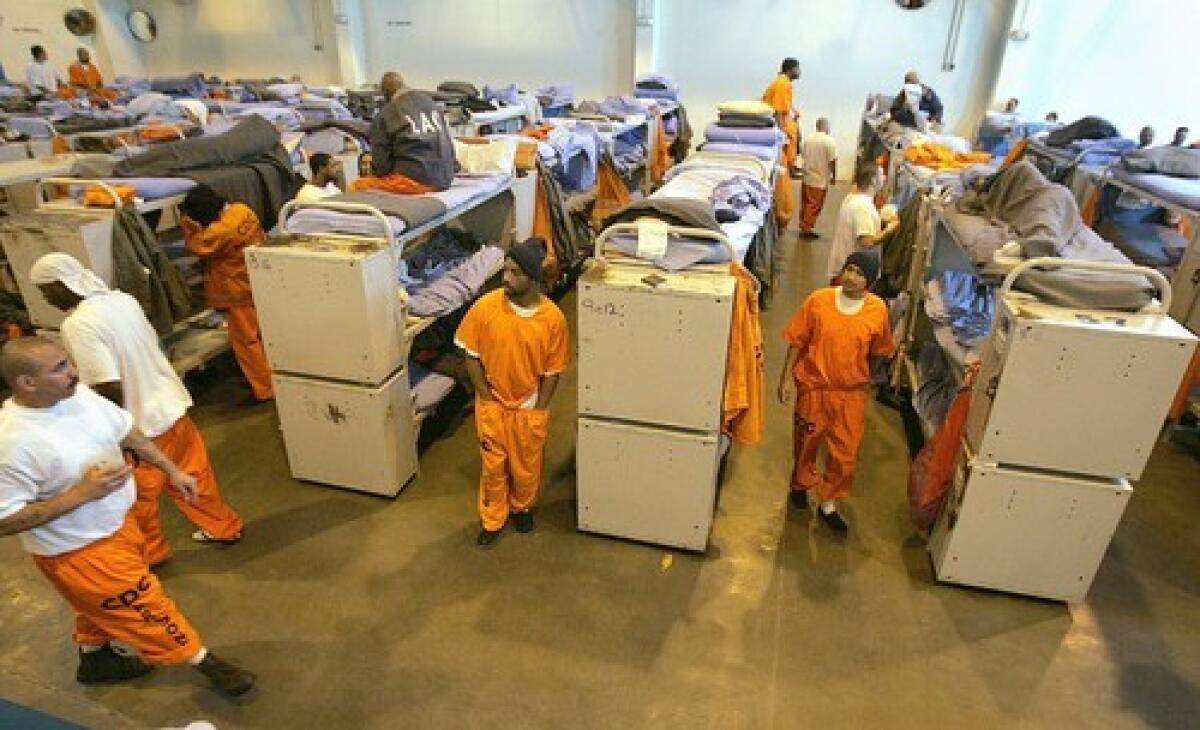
column 848, row 305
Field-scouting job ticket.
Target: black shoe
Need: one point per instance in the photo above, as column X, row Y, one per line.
column 798, row 498
column 250, row 401
column 106, row 665
column 833, row 520
column 523, row 521
column 229, row 680
column 810, row 235
column 487, row 538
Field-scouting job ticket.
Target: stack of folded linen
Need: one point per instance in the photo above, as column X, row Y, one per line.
column 656, row 86
column 745, row 127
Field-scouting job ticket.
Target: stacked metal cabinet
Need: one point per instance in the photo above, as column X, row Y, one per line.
column 26, row 237
column 333, row 326
column 652, row 356
column 1064, row 414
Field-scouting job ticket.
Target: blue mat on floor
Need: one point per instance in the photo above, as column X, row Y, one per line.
column 16, row 716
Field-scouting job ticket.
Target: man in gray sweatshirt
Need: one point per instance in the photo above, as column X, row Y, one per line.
column 410, row 136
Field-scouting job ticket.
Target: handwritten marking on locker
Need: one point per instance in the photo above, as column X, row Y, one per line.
column 606, row 308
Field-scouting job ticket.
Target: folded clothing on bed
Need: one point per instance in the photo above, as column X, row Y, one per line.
column 753, row 108
column 326, row 220
column 191, row 85
column 941, row 157
column 751, row 121
column 456, row 286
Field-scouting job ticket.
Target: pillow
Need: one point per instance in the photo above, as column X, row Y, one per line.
column 754, row 108
column 486, row 156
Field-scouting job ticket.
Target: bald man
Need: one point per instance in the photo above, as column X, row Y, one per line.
column 84, row 75
column 820, row 171
column 66, row 490
column 411, row 149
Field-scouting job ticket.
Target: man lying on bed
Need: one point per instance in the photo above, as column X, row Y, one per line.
column 411, row 149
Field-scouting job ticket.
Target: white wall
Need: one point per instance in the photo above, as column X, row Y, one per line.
column 588, row 43
column 242, row 38
column 24, row 23
column 718, row 50
column 1132, row 63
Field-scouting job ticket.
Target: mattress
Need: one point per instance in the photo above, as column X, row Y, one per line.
column 155, row 188
column 463, row 190
column 1179, row 190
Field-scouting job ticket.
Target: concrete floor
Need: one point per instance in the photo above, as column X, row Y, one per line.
column 362, row 612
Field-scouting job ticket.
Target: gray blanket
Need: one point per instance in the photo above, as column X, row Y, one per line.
column 246, row 164
column 1044, row 218
column 1177, row 161
column 687, row 212
column 414, row 210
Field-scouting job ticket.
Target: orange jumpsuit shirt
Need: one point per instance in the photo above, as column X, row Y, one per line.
column 220, row 244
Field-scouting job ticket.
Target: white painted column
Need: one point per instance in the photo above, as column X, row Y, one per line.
column 646, row 36
column 350, row 39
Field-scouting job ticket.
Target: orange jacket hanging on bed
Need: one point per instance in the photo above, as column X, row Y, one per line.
column 941, row 157
column 661, row 160
column 611, row 192
column 544, row 228
column 742, row 404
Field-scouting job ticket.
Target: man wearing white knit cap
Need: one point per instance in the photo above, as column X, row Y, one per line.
column 117, row 353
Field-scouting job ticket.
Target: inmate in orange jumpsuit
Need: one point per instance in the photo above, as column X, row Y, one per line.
column 778, row 96
column 227, row 286
column 115, row 596
column 832, row 374
column 88, row 78
column 516, row 351
column 184, row 446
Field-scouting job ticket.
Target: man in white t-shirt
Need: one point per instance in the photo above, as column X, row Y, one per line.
column 820, row 171
column 117, row 354
column 858, row 226
column 326, row 172
column 65, row 489
column 42, row 77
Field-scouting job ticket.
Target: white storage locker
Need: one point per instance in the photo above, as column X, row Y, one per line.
column 27, row 237
column 358, row 437
column 1075, row 390
column 649, row 484
column 329, row 307
column 653, row 344
column 1026, row 531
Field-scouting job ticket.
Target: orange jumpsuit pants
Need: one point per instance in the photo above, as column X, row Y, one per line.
column 246, row 341
column 512, row 443
column 184, row 446
column 791, row 147
column 836, row 418
column 812, row 200
column 785, row 202
column 116, row 596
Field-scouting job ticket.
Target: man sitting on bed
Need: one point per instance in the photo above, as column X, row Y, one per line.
column 85, row 76
column 411, row 149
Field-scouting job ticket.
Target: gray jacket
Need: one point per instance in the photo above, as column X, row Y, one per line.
column 410, row 136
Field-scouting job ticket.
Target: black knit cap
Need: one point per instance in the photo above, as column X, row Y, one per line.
column 867, row 262
column 529, row 255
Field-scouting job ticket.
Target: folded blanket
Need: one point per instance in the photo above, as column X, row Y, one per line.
column 761, row 152
column 752, row 121
column 414, row 210
column 767, row 137
column 676, row 211
column 323, row 220
column 752, row 108
column 457, row 286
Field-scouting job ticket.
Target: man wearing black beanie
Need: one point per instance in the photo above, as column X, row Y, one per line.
column 517, row 345
column 827, row 373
